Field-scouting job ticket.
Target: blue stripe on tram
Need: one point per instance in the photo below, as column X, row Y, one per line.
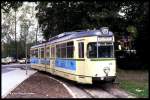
column 39, row 61
column 47, row 61
column 44, row 61
column 34, row 60
column 66, row 64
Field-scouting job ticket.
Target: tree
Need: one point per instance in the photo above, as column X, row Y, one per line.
column 8, row 29
column 57, row 17
column 137, row 16
column 6, row 6
column 27, row 25
column 7, row 26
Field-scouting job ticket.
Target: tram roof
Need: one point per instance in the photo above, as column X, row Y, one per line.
column 72, row 35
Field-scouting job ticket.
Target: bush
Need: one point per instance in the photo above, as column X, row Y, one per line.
column 129, row 61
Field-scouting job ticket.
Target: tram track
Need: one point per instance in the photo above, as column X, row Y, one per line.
column 113, row 89
column 105, row 90
column 99, row 91
column 96, row 91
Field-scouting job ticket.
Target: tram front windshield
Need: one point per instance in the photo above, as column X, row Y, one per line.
column 104, row 50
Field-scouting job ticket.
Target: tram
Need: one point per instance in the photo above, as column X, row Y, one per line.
column 81, row 56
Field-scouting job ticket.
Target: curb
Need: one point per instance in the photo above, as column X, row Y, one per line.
column 11, row 89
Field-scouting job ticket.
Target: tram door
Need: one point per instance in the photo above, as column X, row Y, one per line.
column 52, row 61
column 81, row 57
column 47, row 58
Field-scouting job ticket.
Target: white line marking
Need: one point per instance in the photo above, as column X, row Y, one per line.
column 69, row 90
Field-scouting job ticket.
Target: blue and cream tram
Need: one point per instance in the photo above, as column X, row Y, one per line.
column 82, row 56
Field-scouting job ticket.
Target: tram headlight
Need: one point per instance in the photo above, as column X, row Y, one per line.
column 106, row 70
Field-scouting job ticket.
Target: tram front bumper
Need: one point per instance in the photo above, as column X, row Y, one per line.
column 105, row 79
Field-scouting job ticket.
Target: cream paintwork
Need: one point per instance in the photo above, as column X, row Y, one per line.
column 85, row 70
column 91, row 68
column 96, row 67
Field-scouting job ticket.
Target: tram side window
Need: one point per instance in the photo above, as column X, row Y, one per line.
column 70, row 49
column 92, row 50
column 31, row 53
column 47, row 52
column 63, row 50
column 52, row 52
column 35, row 53
column 42, row 52
column 81, row 49
column 58, row 52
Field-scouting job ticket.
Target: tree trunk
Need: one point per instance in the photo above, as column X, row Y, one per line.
column 36, row 34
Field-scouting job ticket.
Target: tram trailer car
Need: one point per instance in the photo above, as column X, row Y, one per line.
column 83, row 56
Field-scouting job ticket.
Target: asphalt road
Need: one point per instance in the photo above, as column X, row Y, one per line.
column 11, row 67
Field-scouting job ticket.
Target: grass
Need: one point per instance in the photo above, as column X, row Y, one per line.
column 135, row 82
column 140, row 91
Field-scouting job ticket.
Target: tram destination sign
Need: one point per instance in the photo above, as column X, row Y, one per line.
column 105, row 39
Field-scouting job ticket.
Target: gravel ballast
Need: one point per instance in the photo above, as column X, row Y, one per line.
column 39, row 85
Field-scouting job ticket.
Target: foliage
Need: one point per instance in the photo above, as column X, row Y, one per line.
column 6, row 6
column 57, row 17
column 8, row 31
column 8, row 23
column 133, row 30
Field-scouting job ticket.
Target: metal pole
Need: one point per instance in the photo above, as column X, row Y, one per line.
column 97, row 47
column 113, row 47
column 26, row 59
column 26, row 50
